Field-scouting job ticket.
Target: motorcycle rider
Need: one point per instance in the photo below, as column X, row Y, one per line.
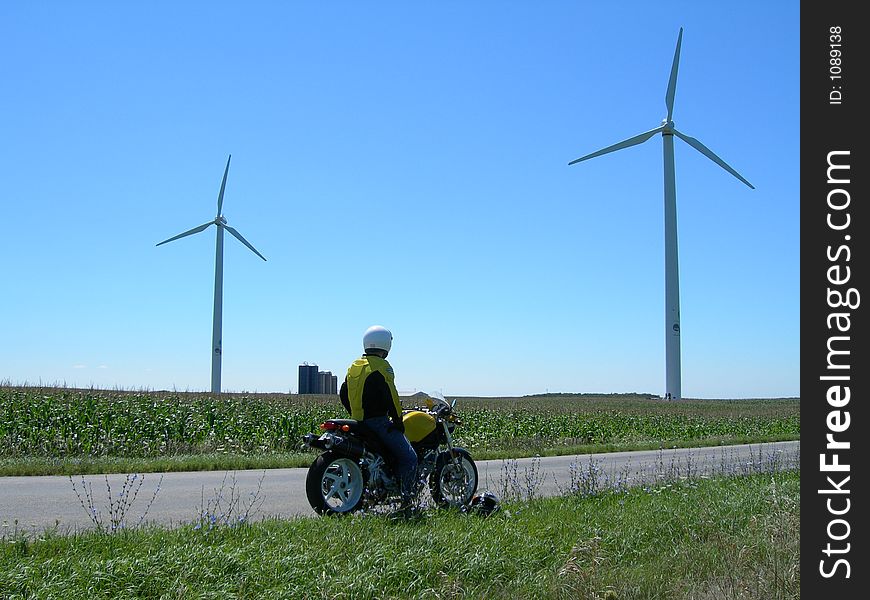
column 369, row 394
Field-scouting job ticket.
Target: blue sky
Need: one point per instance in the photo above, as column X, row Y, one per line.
column 398, row 164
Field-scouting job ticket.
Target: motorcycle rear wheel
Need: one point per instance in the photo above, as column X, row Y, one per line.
column 452, row 484
column 334, row 484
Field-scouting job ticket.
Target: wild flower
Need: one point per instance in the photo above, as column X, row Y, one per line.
column 225, row 508
column 117, row 507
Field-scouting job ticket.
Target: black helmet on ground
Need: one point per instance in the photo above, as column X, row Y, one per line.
column 484, row 504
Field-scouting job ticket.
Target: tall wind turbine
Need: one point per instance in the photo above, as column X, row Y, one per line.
column 221, row 223
column 672, row 277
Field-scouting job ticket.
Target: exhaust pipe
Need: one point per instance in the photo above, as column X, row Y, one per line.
column 347, row 446
column 313, row 441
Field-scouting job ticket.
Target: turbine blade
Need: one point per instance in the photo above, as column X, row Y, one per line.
column 633, row 141
column 223, row 186
column 188, row 232
column 243, row 240
column 709, row 154
column 672, row 82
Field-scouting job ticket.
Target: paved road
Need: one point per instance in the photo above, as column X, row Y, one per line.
column 34, row 503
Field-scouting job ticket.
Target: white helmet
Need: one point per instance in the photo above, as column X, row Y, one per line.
column 377, row 338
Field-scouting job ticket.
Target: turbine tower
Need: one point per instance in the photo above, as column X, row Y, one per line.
column 221, row 223
column 672, row 277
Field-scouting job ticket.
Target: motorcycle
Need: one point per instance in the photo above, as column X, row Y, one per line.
column 354, row 471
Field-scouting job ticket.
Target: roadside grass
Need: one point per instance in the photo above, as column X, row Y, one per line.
column 529, row 447
column 61, row 431
column 721, row 537
column 507, row 449
column 92, row 465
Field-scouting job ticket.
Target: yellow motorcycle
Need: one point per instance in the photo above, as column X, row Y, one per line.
column 354, row 471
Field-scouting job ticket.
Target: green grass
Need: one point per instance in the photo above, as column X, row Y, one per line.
column 62, row 431
column 726, row 537
column 89, row 465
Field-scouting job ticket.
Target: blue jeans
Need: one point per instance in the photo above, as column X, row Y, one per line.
column 404, row 457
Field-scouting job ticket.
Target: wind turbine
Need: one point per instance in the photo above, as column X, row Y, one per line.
column 221, row 223
column 672, row 277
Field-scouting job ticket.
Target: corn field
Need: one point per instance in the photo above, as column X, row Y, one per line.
column 41, row 422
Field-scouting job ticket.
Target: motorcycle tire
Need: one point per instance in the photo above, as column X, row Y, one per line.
column 335, row 484
column 451, row 484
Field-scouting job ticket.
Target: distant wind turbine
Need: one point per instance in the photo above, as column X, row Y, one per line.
column 221, row 224
column 672, row 277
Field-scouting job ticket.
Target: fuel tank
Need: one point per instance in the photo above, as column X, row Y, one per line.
column 418, row 424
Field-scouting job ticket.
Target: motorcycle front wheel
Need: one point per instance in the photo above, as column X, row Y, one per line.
column 453, row 484
column 334, row 484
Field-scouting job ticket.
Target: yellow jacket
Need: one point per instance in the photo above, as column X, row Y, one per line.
column 357, row 374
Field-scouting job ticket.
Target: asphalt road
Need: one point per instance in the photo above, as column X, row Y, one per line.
column 32, row 504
